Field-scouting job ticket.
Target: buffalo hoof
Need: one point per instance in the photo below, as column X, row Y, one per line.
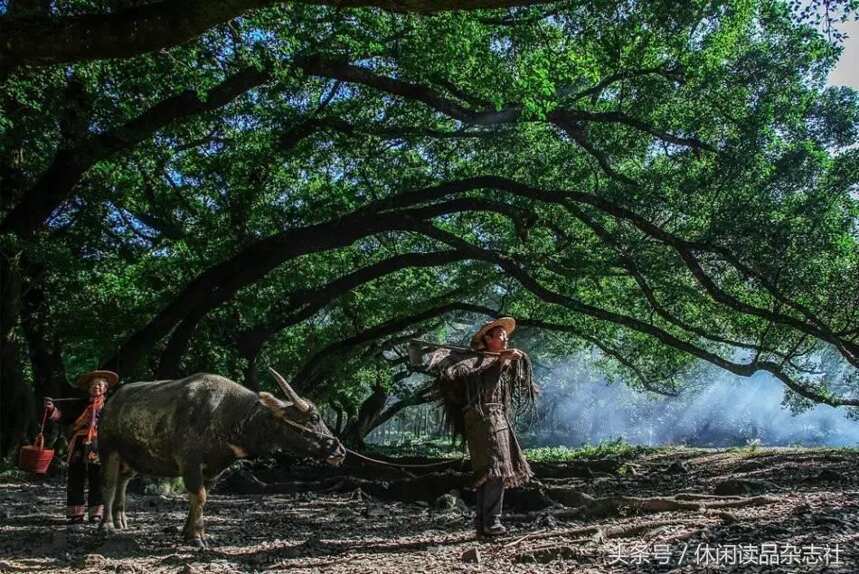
column 199, row 543
column 120, row 521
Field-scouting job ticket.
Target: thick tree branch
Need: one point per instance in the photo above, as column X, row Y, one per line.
column 302, row 305
column 322, row 66
column 319, row 65
column 420, row 397
column 177, row 346
column 57, row 183
column 813, row 325
column 221, row 282
column 596, row 90
column 819, row 329
column 630, row 265
column 42, row 41
column 526, row 280
column 626, row 119
column 577, row 133
column 397, row 132
column 310, row 372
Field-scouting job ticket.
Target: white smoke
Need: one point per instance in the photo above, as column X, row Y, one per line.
column 580, row 407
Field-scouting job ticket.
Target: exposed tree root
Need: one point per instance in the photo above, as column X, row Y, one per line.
column 645, row 530
column 425, row 488
column 704, row 497
column 725, row 516
column 550, row 553
column 597, row 534
column 629, row 530
column 683, row 535
column 743, row 502
column 536, row 500
column 586, row 506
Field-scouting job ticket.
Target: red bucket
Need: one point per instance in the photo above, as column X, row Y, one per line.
column 34, row 458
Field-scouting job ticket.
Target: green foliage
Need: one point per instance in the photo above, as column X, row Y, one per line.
column 709, row 120
column 9, row 471
column 617, row 448
column 165, row 486
column 408, row 444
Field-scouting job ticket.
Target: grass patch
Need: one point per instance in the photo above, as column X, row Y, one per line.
column 442, row 447
column 617, row 448
column 9, row 470
column 163, row 486
column 411, row 445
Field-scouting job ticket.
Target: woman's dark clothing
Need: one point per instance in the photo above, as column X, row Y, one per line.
column 84, row 466
column 81, row 472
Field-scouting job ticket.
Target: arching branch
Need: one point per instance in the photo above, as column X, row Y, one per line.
column 326, row 67
column 43, row 41
column 222, row 281
column 310, row 372
column 57, row 182
column 296, row 307
column 304, row 304
column 686, row 249
column 644, row 286
column 811, row 392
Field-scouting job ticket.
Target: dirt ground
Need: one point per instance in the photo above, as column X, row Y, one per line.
column 780, row 510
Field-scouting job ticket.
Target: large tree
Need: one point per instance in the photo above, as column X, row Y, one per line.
column 306, row 185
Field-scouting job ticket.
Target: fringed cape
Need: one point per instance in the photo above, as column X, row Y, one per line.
column 479, row 396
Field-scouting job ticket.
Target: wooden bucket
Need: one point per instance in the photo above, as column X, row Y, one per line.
column 35, row 458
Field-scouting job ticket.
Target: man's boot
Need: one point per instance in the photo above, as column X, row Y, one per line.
column 495, row 528
column 493, row 502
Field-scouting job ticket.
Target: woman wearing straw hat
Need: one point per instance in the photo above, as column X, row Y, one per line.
column 84, row 464
column 478, row 389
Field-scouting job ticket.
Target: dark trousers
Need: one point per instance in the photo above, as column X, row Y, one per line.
column 82, row 471
column 490, row 501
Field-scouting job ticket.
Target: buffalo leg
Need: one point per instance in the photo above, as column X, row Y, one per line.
column 194, row 528
column 109, row 478
column 125, row 475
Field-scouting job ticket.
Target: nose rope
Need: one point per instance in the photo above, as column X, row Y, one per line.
column 306, row 430
column 385, row 463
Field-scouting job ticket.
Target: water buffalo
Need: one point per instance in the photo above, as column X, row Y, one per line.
column 195, row 428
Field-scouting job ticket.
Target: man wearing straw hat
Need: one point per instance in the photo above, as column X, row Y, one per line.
column 478, row 388
column 84, row 464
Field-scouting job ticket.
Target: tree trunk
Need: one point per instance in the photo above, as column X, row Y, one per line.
column 370, row 410
column 340, row 418
column 251, row 375
column 171, row 358
column 17, row 414
column 49, row 372
column 17, row 408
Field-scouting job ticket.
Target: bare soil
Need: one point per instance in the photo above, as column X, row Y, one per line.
column 727, row 511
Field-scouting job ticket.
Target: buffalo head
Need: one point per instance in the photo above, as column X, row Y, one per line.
column 298, row 426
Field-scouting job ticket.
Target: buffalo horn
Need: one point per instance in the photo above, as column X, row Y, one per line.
column 300, row 403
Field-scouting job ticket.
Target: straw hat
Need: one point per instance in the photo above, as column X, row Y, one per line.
column 509, row 324
column 84, row 380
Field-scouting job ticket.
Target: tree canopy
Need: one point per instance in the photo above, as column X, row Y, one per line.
column 309, row 184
